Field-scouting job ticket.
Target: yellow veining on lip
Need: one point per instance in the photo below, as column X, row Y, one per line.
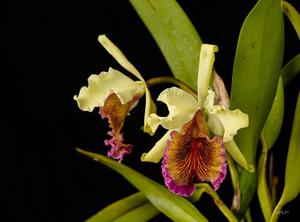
column 116, row 113
column 192, row 155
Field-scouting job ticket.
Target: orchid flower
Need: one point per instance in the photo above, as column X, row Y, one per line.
column 115, row 94
column 190, row 154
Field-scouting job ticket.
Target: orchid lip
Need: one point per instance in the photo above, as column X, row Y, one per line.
column 190, row 156
column 116, row 113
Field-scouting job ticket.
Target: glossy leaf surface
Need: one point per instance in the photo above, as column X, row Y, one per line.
column 118, row 208
column 292, row 180
column 174, row 34
column 142, row 213
column 273, row 124
column 268, row 137
column 175, row 207
column 255, row 77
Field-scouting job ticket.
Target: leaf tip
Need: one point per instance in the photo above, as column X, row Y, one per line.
column 86, row 153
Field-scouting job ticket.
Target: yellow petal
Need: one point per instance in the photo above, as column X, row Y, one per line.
column 149, row 108
column 112, row 49
column 181, row 105
column 206, row 62
column 102, row 85
column 156, row 153
column 238, row 157
column 222, row 121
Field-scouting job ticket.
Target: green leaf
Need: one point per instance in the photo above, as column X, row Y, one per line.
column 268, row 137
column 135, row 207
column 291, row 69
column 255, row 76
column 118, row 208
column 174, row 34
column 142, row 213
column 263, row 192
column 273, row 124
column 271, row 132
column 293, row 16
column 175, row 207
column 292, row 180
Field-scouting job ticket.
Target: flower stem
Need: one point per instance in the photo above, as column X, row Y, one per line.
column 233, row 172
column 217, row 200
column 273, row 181
column 234, row 175
column 274, row 189
column 263, row 191
column 168, row 79
column 270, row 169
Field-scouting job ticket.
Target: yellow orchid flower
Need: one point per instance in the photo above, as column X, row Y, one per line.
column 115, row 94
column 189, row 153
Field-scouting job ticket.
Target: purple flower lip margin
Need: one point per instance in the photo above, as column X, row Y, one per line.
column 117, row 151
column 117, row 148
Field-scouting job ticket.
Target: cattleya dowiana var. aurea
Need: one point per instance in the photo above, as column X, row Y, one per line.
column 190, row 152
column 115, row 94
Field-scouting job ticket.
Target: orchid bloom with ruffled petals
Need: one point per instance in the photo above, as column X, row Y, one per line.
column 115, row 94
column 190, row 152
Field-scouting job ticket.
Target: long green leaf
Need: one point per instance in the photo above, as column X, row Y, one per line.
column 291, row 69
column 135, row 207
column 142, row 213
column 268, row 137
column 273, row 124
column 174, row 34
column 271, row 132
column 292, row 180
column 255, row 76
column 118, row 208
column 175, row 207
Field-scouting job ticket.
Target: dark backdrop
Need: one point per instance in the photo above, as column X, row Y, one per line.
column 48, row 49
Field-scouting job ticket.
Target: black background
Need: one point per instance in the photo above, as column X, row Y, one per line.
column 49, row 49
